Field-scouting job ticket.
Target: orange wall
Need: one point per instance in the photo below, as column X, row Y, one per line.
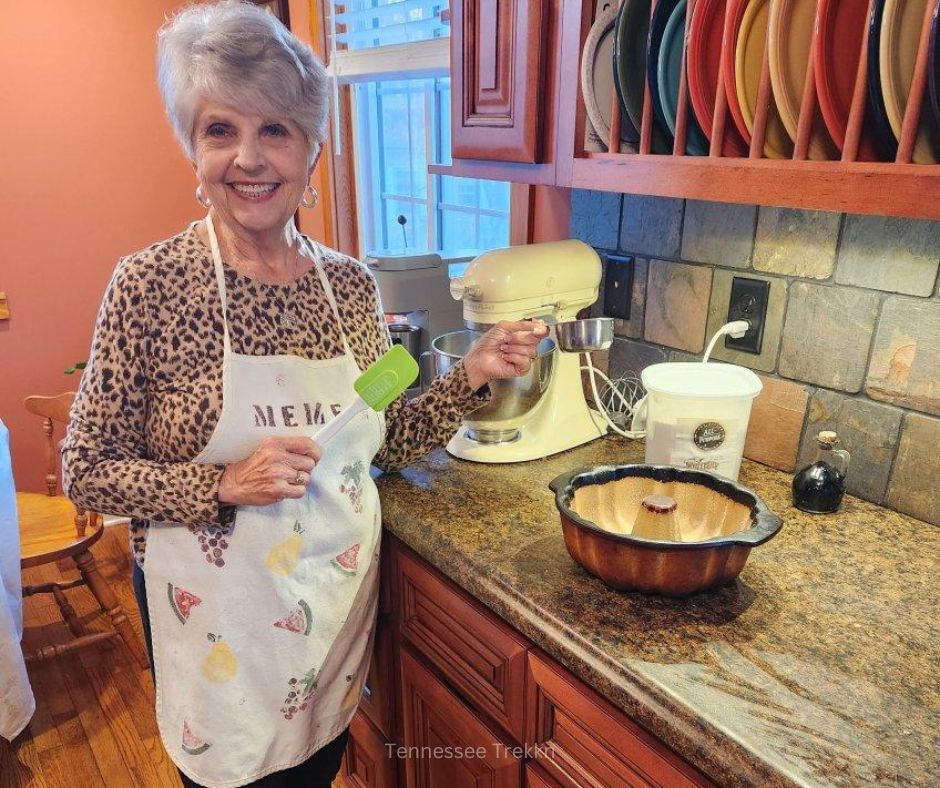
column 91, row 171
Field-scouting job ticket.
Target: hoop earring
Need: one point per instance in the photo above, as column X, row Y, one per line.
column 204, row 201
column 312, row 200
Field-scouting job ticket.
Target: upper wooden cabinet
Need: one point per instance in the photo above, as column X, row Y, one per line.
column 497, row 59
column 733, row 168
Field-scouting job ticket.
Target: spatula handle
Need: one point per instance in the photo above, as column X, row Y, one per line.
column 330, row 429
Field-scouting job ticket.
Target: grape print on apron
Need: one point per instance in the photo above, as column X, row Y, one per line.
column 262, row 631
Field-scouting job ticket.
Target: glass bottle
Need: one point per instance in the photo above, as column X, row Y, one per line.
column 819, row 487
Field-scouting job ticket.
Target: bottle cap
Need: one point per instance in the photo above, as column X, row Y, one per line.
column 659, row 504
column 827, row 438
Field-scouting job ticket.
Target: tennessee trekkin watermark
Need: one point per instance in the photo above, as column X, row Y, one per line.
column 456, row 752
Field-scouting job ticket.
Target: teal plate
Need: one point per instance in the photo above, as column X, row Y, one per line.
column 668, row 72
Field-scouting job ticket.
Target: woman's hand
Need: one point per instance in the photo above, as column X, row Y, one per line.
column 280, row 468
column 505, row 351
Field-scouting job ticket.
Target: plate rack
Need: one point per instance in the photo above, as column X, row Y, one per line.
column 899, row 188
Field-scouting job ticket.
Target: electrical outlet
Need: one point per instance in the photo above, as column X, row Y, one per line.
column 749, row 299
column 618, row 286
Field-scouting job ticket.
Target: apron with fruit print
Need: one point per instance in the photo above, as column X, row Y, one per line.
column 262, row 630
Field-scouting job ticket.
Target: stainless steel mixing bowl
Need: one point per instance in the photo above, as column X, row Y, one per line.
column 513, row 400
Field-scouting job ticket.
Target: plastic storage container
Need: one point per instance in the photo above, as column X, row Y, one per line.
column 697, row 415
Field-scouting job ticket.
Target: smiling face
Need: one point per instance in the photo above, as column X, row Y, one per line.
column 253, row 168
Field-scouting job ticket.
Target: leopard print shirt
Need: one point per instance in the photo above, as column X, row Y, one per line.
column 151, row 394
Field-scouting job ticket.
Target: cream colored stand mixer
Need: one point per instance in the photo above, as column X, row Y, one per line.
column 544, row 412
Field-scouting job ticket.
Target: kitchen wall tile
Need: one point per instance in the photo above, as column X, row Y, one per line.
column 682, row 357
column 795, row 242
column 651, row 226
column 633, row 327
column 914, row 489
column 718, row 233
column 827, row 335
column 887, row 253
column 629, row 357
column 773, row 325
column 905, row 363
column 776, row 425
column 867, row 430
column 595, row 217
column 677, row 305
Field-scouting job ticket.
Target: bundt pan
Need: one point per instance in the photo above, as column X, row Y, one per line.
column 718, row 522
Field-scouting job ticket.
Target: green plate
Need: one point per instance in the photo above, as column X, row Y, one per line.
column 668, row 71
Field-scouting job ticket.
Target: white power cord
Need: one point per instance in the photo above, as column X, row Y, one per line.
column 737, row 329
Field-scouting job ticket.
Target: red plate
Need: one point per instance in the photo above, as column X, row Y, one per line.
column 736, row 9
column 835, row 60
column 704, row 64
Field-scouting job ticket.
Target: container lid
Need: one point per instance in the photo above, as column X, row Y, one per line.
column 704, row 381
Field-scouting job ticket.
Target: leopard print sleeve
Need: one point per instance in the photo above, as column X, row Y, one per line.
column 413, row 427
column 107, row 465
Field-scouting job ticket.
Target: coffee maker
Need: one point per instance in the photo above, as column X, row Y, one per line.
column 545, row 411
column 416, row 300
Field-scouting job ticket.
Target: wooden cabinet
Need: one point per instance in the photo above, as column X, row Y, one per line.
column 478, row 654
column 447, row 744
column 578, row 738
column 370, row 760
column 474, row 703
column 497, row 59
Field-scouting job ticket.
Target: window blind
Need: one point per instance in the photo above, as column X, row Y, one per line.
column 366, row 24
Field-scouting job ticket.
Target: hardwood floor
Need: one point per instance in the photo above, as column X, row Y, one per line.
column 94, row 723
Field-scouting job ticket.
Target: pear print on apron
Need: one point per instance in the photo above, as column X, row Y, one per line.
column 262, row 630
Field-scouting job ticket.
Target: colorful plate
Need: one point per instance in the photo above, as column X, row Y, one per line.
column 661, row 16
column 933, row 82
column 885, row 140
column 668, row 72
column 630, row 39
column 748, row 59
column 597, row 84
column 897, row 52
column 736, row 9
column 835, row 60
column 703, row 67
column 790, row 34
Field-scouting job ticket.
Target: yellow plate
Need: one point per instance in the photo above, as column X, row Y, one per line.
column 748, row 58
column 790, row 35
column 897, row 50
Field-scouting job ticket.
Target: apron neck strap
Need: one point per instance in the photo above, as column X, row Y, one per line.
column 220, row 280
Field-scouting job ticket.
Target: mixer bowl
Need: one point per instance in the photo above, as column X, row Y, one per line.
column 719, row 522
column 513, row 399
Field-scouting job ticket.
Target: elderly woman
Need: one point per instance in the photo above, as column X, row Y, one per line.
column 217, row 355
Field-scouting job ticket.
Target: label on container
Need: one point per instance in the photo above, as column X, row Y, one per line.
column 698, row 444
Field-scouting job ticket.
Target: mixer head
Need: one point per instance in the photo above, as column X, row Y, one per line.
column 555, row 279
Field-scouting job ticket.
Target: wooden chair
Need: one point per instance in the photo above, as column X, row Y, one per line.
column 53, row 528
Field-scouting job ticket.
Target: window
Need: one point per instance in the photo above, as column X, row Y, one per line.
column 396, row 56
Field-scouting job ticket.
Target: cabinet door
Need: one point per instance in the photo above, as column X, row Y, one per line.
column 498, row 65
column 580, row 739
column 479, row 655
column 446, row 744
column 370, row 761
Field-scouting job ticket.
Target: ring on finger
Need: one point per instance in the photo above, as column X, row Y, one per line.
column 299, row 478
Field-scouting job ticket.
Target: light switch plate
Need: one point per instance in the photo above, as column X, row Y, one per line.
column 749, row 298
column 618, row 286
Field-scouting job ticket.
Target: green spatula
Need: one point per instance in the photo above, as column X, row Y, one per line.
column 377, row 388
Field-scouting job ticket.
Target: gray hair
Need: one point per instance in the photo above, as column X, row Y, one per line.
column 237, row 54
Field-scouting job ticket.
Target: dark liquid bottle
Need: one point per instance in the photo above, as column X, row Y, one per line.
column 819, row 487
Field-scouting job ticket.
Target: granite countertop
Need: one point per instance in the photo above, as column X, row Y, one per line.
column 818, row 666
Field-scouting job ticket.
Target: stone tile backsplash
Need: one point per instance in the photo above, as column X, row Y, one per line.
column 852, row 338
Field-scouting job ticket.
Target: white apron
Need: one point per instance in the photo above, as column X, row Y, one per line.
column 262, row 632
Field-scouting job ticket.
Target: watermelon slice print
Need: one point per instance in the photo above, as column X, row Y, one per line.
column 347, row 561
column 192, row 744
column 181, row 601
column 299, row 620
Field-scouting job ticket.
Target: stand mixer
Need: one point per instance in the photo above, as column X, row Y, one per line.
column 550, row 281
